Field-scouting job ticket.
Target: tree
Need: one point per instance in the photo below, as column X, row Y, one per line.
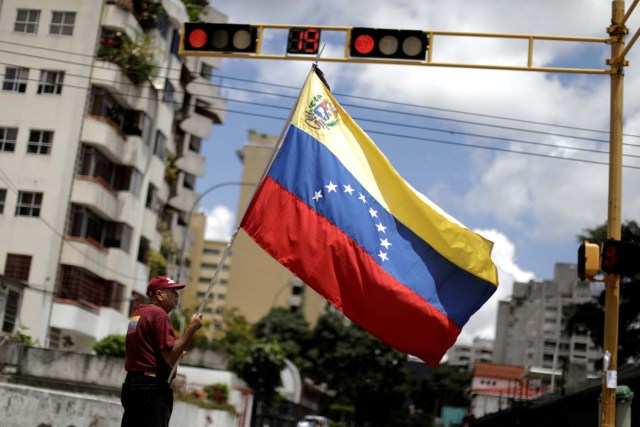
column 111, row 345
column 364, row 372
column 589, row 317
column 291, row 331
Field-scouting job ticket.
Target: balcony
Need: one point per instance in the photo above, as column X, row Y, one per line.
column 208, row 92
column 95, row 193
column 192, row 163
column 117, row 18
column 197, row 124
column 100, row 131
column 185, row 199
column 77, row 316
column 84, row 253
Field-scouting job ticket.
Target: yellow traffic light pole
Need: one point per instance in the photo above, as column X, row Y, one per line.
column 617, row 31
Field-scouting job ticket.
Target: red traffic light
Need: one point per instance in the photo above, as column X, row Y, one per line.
column 388, row 44
column 208, row 37
column 620, row 257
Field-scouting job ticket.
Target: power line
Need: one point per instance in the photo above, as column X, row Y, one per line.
column 499, row 149
column 93, row 57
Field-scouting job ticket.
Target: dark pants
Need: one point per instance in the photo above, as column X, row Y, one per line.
column 147, row 401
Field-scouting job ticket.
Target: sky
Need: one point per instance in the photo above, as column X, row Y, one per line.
column 456, row 135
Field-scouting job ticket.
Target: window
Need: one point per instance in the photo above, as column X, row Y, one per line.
column 3, row 198
column 62, row 23
column 29, row 203
column 86, row 225
column 195, row 142
column 206, row 71
column 213, row 251
column 169, row 92
column 17, row 267
column 161, row 142
column 40, row 142
column 8, row 137
column 51, row 82
column 153, row 201
column 118, row 235
column 11, row 312
column 27, row 21
column 15, row 79
column 175, row 42
column 81, row 285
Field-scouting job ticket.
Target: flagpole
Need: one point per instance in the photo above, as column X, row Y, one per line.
column 227, row 249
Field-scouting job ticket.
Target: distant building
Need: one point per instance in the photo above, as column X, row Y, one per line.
column 204, row 259
column 496, row 387
column 480, row 351
column 257, row 282
column 530, row 328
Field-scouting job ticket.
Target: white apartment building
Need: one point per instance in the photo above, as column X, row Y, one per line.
column 98, row 159
column 479, row 351
column 530, row 327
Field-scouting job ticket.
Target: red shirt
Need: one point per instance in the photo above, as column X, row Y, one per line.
column 149, row 333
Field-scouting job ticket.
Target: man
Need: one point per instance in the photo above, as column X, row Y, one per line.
column 151, row 351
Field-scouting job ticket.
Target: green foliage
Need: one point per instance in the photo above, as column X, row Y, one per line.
column 168, row 246
column 135, row 57
column 237, row 333
column 292, row 332
column 111, row 345
column 218, row 392
column 156, row 262
column 20, row 337
column 147, row 12
column 195, row 8
column 260, row 368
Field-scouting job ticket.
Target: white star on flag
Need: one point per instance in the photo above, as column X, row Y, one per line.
column 373, row 213
column 348, row 189
column 361, row 197
column 317, row 196
column 381, row 227
column 331, row 187
column 383, row 256
column 384, row 242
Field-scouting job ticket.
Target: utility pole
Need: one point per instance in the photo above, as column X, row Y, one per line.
column 617, row 31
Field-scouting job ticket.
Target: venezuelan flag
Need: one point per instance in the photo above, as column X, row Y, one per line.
column 334, row 211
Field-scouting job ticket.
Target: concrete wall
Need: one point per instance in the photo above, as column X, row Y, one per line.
column 34, row 396
column 29, row 406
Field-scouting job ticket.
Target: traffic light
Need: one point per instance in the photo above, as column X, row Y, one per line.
column 620, row 257
column 588, row 260
column 208, row 37
column 388, row 44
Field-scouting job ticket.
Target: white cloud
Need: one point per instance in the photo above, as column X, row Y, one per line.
column 220, row 223
column 483, row 322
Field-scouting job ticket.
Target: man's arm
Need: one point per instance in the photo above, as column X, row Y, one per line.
column 171, row 355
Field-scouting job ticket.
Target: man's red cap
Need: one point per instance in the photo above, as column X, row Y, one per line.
column 161, row 282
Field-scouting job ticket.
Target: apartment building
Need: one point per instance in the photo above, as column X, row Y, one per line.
column 530, row 328
column 100, row 135
column 479, row 351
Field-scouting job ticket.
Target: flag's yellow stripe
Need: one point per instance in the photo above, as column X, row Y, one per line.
column 348, row 142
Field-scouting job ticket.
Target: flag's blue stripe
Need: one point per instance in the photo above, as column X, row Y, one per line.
column 305, row 166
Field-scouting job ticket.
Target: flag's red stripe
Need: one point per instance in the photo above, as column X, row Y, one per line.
column 330, row 262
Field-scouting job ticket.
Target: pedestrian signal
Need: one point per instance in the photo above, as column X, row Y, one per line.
column 388, row 44
column 588, row 260
column 208, row 37
column 620, row 257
